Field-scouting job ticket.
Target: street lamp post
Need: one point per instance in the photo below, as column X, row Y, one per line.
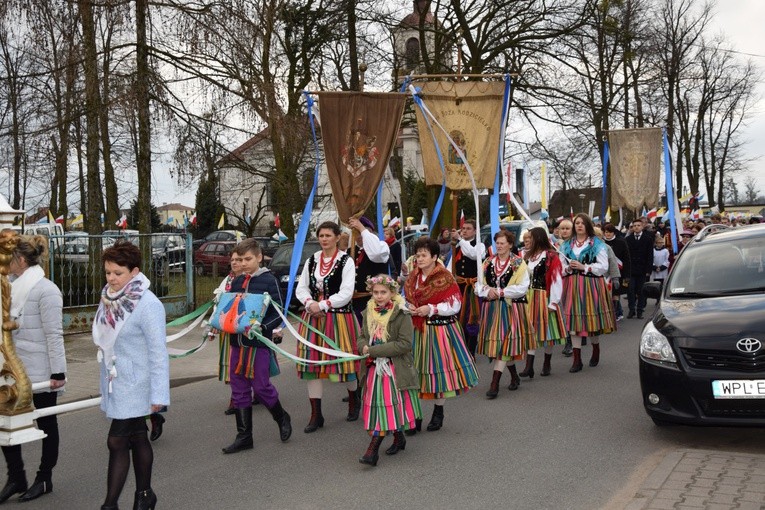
column 581, row 202
column 246, row 220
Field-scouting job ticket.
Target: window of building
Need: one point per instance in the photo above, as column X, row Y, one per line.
column 412, row 54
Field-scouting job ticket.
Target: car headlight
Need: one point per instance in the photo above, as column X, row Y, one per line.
column 655, row 346
column 285, row 278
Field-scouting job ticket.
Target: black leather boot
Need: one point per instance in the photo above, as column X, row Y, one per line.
column 231, row 409
column 317, row 420
column 417, row 428
column 354, row 405
column 399, row 443
column 494, row 388
column 243, row 439
column 281, row 417
column 371, row 456
column 145, row 500
column 16, row 484
column 577, row 365
column 437, row 420
column 567, row 349
column 37, row 489
column 528, row 371
column 546, row 365
column 515, row 380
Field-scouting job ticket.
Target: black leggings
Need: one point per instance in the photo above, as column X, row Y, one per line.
column 49, row 425
column 120, row 447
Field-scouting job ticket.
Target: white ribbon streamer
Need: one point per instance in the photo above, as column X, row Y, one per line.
column 187, row 329
column 325, row 350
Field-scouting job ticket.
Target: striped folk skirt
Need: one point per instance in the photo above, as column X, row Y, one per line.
column 244, row 364
column 587, row 306
column 504, row 333
column 386, row 409
column 445, row 366
column 547, row 325
column 343, row 329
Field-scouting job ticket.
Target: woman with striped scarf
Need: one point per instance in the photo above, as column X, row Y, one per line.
column 433, row 298
column 587, row 307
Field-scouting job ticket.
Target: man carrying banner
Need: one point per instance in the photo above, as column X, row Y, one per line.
column 465, row 270
column 372, row 256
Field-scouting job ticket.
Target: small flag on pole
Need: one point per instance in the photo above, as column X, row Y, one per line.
column 462, row 218
column 222, row 221
column 122, row 222
column 51, row 221
column 277, row 221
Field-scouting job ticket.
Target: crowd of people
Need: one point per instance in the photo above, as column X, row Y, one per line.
column 411, row 329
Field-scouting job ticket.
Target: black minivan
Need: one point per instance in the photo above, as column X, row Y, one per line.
column 702, row 354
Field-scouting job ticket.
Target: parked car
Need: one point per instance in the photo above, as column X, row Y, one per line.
column 219, row 235
column 213, row 257
column 169, row 249
column 54, row 232
column 702, row 353
column 280, row 266
column 268, row 245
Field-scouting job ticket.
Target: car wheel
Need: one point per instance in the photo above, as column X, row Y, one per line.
column 199, row 269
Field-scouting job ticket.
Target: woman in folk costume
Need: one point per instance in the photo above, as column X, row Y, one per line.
column 389, row 402
column 587, row 307
column 325, row 288
column 545, row 318
column 504, row 335
column 444, row 364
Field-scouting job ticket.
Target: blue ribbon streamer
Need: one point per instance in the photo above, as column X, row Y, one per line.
column 440, row 201
column 606, row 155
column 379, row 210
column 670, row 191
column 305, row 220
column 494, row 198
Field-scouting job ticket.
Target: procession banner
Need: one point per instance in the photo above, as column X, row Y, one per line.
column 359, row 131
column 635, row 156
column 471, row 112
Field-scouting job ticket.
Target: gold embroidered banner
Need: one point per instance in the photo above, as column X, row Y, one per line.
column 635, row 156
column 358, row 131
column 471, row 112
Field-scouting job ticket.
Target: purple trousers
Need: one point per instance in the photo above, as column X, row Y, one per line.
column 242, row 387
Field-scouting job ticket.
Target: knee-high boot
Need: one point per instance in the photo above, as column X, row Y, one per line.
column 282, row 418
column 243, row 440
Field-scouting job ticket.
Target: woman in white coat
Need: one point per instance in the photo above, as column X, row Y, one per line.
column 36, row 306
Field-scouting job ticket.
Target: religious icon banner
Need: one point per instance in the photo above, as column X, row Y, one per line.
column 471, row 112
column 635, row 156
column 358, row 131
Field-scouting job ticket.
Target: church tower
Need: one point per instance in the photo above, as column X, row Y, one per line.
column 407, row 47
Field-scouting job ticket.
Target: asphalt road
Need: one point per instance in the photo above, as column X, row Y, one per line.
column 578, row 441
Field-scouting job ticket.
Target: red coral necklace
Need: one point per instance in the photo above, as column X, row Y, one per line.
column 326, row 267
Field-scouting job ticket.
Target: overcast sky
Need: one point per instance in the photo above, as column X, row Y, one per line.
column 743, row 22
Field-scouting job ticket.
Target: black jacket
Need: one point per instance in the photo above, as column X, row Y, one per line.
column 641, row 253
column 622, row 252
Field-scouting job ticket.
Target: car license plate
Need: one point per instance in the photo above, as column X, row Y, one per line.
column 739, row 389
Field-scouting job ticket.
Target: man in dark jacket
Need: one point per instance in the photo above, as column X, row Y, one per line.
column 619, row 246
column 640, row 245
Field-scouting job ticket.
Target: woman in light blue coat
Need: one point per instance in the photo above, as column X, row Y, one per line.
column 129, row 330
column 36, row 306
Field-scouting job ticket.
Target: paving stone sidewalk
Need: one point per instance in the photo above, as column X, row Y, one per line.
column 704, row 479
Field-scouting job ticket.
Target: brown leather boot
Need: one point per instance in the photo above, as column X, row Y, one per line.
column 371, row 456
column 546, row 365
column 354, row 405
column 494, row 388
column 595, row 359
column 529, row 370
column 317, row 420
column 515, row 380
column 577, row 365
column 399, row 443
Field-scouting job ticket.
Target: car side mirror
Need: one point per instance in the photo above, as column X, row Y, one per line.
column 652, row 290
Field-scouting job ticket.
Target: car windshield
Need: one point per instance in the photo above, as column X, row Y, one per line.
column 715, row 268
column 283, row 255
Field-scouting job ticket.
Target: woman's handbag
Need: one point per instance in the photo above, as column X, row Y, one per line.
column 239, row 313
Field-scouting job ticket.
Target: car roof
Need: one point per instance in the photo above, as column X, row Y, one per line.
column 724, row 234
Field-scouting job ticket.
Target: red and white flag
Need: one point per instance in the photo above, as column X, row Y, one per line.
column 277, row 221
column 122, row 222
column 572, row 212
column 462, row 218
column 60, row 219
